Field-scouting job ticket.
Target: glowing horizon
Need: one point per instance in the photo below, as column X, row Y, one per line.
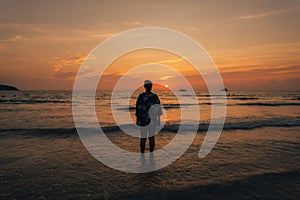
column 255, row 47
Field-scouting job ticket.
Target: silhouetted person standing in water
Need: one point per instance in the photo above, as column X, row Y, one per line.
column 146, row 117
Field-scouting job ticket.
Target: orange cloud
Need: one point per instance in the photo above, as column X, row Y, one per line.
column 61, row 66
column 133, row 23
column 15, row 38
column 170, row 61
column 267, row 14
column 62, row 62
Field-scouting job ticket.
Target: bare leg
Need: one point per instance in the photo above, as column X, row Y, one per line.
column 151, row 143
column 151, row 130
column 143, row 139
column 143, row 144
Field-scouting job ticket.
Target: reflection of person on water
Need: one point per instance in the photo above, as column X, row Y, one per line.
column 148, row 112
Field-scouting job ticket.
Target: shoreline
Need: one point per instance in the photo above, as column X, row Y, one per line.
column 265, row 186
column 258, row 163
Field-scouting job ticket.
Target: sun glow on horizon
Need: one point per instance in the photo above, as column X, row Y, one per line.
column 258, row 49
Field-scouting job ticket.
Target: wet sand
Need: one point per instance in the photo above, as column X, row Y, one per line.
column 245, row 164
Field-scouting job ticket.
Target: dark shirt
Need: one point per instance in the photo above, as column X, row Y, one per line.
column 142, row 109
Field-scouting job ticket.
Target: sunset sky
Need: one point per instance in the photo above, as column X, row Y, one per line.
column 254, row 43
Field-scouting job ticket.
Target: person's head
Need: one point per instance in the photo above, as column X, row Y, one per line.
column 148, row 85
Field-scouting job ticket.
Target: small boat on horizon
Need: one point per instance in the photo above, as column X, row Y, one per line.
column 182, row 90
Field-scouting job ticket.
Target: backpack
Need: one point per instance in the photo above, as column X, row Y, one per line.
column 144, row 103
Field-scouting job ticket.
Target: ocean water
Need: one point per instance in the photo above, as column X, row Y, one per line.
column 256, row 157
column 53, row 109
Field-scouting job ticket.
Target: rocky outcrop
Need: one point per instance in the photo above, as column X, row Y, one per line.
column 8, row 87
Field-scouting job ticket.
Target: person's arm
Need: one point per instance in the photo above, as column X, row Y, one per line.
column 138, row 106
column 159, row 111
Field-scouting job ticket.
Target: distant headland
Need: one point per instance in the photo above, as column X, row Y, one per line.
column 7, row 87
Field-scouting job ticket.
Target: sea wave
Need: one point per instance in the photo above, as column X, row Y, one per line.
column 165, row 106
column 31, row 101
column 173, row 106
column 173, row 127
column 243, row 98
column 244, row 125
column 269, row 104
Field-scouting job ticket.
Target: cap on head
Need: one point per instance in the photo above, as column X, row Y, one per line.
column 148, row 85
column 147, row 82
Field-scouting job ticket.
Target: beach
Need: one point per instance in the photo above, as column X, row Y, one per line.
column 259, row 163
column 83, row 85
column 256, row 157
